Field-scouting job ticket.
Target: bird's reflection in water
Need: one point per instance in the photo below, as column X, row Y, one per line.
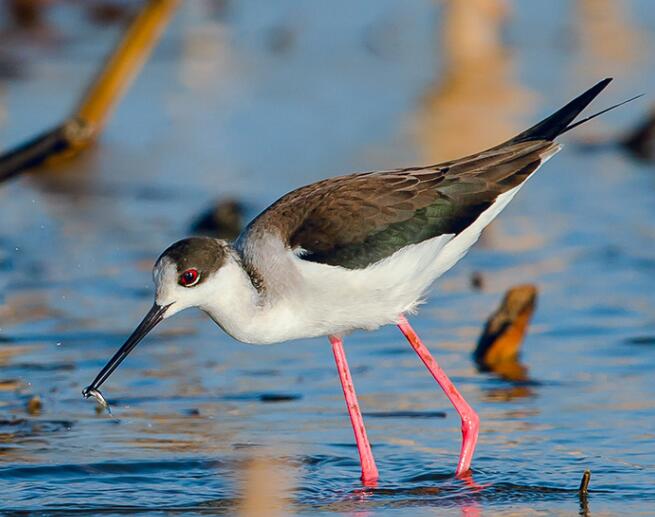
column 439, row 488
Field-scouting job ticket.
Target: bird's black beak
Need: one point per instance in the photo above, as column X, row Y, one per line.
column 154, row 316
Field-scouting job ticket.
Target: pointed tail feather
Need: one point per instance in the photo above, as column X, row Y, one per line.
column 561, row 121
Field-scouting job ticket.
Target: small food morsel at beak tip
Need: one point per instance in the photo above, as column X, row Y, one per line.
column 93, row 392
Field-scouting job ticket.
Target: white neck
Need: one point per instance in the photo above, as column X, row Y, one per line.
column 246, row 314
column 235, row 303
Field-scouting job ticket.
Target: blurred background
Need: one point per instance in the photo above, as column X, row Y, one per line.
column 242, row 101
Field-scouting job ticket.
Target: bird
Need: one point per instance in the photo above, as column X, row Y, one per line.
column 353, row 252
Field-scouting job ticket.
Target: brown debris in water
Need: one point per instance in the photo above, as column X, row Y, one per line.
column 34, row 405
column 500, row 343
column 108, row 12
column 26, row 14
column 477, row 281
column 640, row 142
column 224, row 220
column 10, row 384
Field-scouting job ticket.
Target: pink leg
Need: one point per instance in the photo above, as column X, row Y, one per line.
column 369, row 470
column 470, row 419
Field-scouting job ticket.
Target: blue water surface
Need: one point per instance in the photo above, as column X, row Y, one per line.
column 250, row 99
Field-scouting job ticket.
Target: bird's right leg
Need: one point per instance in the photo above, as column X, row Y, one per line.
column 369, row 469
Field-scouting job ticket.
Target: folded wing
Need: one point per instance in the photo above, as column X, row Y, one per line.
column 357, row 220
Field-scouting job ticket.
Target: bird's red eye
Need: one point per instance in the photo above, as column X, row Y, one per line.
column 189, row 277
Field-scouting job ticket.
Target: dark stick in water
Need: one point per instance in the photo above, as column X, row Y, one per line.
column 584, row 483
column 583, row 492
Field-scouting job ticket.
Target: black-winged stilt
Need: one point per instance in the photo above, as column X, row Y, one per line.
column 351, row 252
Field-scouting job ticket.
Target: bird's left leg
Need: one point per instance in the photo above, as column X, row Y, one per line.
column 470, row 419
column 369, row 469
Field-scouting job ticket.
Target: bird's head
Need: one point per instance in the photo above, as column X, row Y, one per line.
column 187, row 274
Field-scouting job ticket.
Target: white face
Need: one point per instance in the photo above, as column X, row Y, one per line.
column 170, row 291
column 176, row 291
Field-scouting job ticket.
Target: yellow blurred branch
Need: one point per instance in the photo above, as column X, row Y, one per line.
column 80, row 130
column 124, row 63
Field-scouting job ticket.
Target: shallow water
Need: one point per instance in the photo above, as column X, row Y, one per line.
column 250, row 100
